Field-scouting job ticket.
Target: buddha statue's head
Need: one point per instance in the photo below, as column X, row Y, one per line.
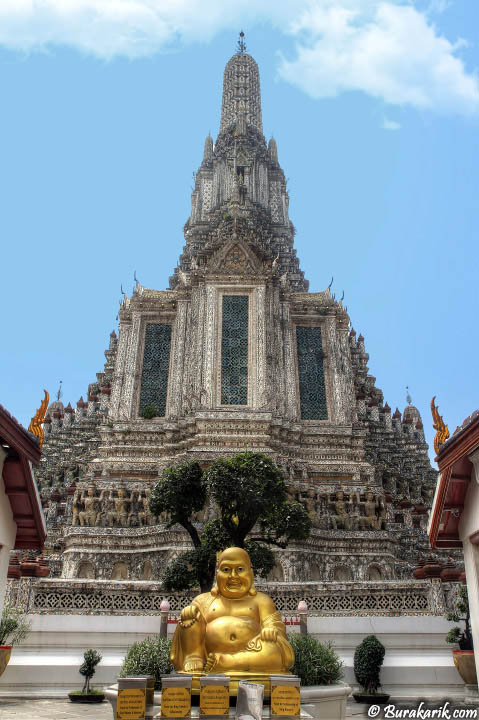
column 234, row 576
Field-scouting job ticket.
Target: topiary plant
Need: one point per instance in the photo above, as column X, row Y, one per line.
column 148, row 657
column 314, row 662
column 91, row 658
column 368, row 658
column 458, row 614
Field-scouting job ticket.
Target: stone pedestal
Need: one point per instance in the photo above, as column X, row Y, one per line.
column 318, row 702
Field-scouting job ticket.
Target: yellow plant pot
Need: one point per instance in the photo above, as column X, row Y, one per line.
column 5, row 652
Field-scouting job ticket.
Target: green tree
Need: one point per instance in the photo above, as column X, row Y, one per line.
column 249, row 491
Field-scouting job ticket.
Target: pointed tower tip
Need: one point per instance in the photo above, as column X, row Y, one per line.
column 273, row 151
column 208, row 151
column 241, row 45
column 241, row 90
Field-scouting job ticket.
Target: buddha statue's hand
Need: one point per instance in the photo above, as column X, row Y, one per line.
column 189, row 615
column 269, row 634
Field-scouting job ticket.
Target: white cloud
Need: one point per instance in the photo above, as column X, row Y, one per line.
column 131, row 28
column 439, row 6
column 390, row 124
column 386, row 48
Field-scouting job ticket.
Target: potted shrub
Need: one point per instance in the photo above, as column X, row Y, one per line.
column 320, row 670
column 464, row 656
column 314, row 662
column 14, row 627
column 368, row 658
column 146, row 657
column 88, row 694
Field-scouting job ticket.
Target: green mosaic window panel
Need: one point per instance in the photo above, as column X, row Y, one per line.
column 311, row 373
column 156, row 362
column 234, row 350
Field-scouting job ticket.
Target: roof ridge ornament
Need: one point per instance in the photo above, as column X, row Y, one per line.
column 439, row 425
column 241, row 45
column 37, row 420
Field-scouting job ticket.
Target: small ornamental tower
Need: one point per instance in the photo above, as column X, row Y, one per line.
column 237, row 353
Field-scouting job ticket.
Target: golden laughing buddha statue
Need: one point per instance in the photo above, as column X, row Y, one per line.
column 233, row 629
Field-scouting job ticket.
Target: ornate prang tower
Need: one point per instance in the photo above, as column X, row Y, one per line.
column 237, row 353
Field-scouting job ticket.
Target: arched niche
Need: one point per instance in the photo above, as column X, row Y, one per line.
column 374, row 573
column 86, row 570
column 342, row 573
column 119, row 571
column 315, row 574
column 147, row 571
column 276, row 574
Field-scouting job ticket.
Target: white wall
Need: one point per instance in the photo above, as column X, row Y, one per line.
column 8, row 531
column 469, row 525
column 418, row 662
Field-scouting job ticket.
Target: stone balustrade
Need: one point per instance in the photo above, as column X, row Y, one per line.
column 100, row 597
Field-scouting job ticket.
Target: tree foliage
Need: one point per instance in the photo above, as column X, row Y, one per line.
column 14, row 626
column 249, row 492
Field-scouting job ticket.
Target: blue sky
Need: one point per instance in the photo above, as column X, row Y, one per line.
column 374, row 105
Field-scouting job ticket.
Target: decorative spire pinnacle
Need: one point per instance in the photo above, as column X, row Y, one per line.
column 59, row 391
column 241, row 45
column 241, row 90
column 408, row 396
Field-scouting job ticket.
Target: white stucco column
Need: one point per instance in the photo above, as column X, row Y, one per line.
column 8, row 531
column 469, row 529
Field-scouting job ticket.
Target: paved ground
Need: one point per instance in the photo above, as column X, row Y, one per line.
column 11, row 709
column 52, row 710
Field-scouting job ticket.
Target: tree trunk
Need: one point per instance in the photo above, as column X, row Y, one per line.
column 207, row 581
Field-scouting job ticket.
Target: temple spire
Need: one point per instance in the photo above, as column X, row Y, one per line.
column 241, row 90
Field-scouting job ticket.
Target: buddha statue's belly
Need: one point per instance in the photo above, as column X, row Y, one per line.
column 230, row 634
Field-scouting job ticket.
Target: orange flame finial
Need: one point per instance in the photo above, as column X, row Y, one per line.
column 36, row 422
column 442, row 431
